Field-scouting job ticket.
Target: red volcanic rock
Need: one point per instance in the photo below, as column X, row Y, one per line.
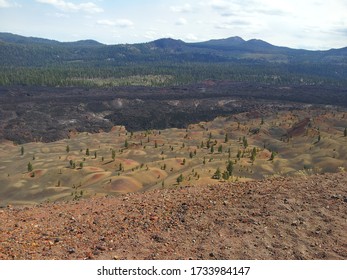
column 282, row 218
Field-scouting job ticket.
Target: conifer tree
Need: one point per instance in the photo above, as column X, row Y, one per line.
column 226, row 175
column 179, row 179
column 30, row 167
column 272, row 156
column 253, row 154
column 238, row 155
column 230, row 168
column 217, row 175
column 245, row 142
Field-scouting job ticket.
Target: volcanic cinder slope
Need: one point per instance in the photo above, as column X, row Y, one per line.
column 86, row 165
column 281, row 218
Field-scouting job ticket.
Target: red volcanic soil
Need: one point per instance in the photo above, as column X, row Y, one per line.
column 123, row 185
column 282, row 218
column 37, row 173
column 95, row 177
column 299, row 128
column 94, row 169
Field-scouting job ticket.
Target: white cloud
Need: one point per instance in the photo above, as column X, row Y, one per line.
column 123, row 23
column 60, row 15
column 321, row 23
column 169, row 35
column 251, row 7
column 186, row 8
column 220, row 5
column 8, row 4
column 181, row 21
column 224, row 26
column 4, row 4
column 191, row 37
column 87, row 7
column 151, row 35
column 106, row 22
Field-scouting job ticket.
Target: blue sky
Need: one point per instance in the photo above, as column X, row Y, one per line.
column 310, row 24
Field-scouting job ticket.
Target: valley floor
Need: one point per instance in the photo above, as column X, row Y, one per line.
column 277, row 218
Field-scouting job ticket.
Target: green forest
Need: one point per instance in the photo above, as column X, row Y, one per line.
column 166, row 62
column 159, row 74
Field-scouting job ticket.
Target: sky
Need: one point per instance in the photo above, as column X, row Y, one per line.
column 307, row 24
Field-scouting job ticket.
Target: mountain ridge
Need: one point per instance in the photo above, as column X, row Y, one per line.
column 252, row 60
column 7, row 37
column 230, row 41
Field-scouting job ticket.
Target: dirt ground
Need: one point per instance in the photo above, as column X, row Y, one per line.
column 278, row 218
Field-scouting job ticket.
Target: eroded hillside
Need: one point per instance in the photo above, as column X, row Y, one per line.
column 242, row 147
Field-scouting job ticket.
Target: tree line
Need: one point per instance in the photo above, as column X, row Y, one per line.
column 108, row 75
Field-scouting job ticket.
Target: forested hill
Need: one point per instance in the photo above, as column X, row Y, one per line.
column 29, row 51
column 37, row 61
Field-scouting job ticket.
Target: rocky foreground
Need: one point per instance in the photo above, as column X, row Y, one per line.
column 282, row 218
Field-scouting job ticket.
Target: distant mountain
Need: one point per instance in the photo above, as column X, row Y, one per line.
column 252, row 59
column 18, row 39
column 84, row 43
column 221, row 43
column 168, row 43
column 16, row 50
column 232, row 41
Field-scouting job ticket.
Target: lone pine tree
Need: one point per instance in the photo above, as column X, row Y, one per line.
column 230, row 168
column 273, row 154
column 245, row 142
column 226, row 175
column 217, row 175
column 30, row 167
column 254, row 154
column 179, row 179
